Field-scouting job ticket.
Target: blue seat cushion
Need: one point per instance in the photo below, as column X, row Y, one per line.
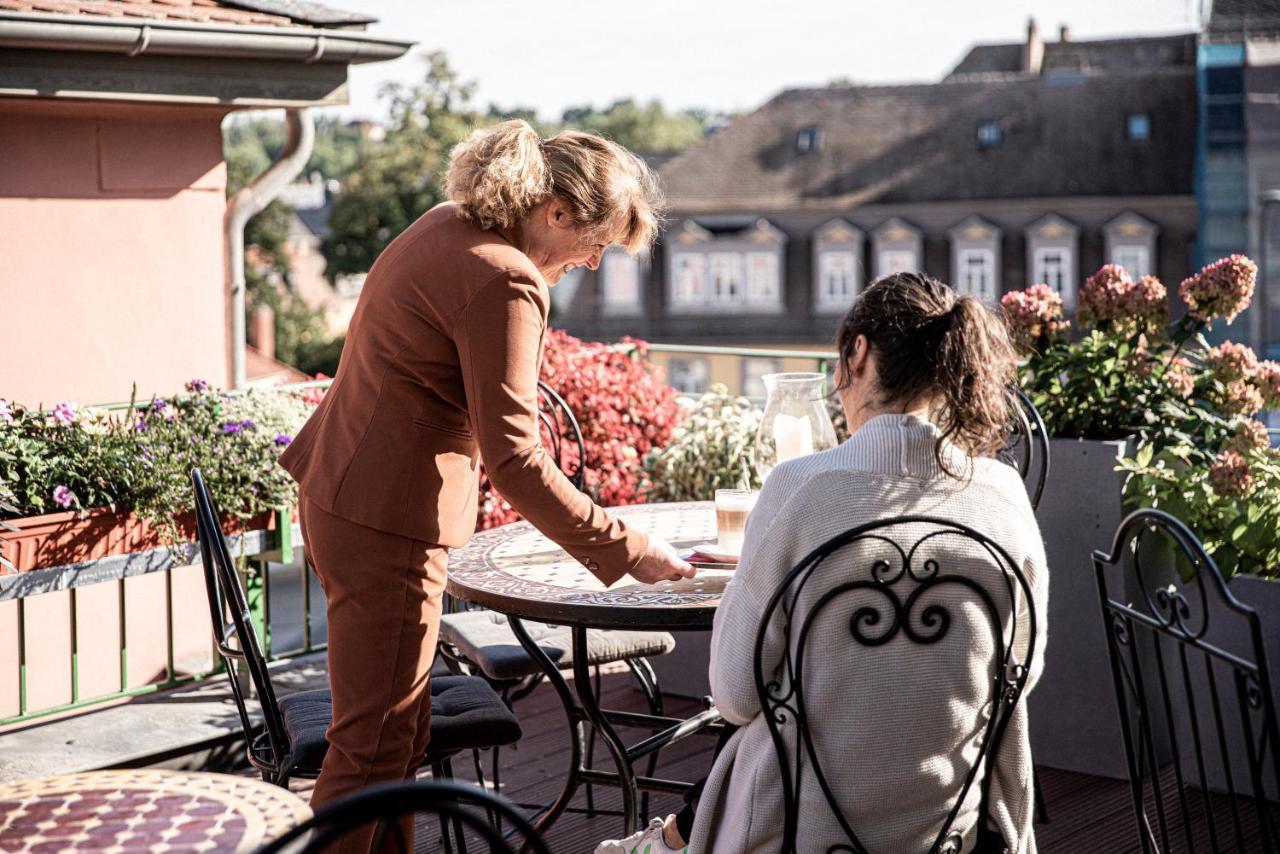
column 486, row 639
column 465, row 714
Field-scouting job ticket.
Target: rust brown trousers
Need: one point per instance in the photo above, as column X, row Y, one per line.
column 440, row 367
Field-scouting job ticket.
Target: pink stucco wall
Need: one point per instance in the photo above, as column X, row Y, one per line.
column 111, row 250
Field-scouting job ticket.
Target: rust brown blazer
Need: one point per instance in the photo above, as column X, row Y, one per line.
column 440, row 367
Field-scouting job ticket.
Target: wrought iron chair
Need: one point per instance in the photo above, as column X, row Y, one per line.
column 894, row 586
column 1028, row 447
column 1194, row 693
column 465, row 712
column 482, row 642
column 452, row 803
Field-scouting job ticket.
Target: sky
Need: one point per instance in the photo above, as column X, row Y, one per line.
column 719, row 56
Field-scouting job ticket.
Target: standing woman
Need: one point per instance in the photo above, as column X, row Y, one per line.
column 440, row 368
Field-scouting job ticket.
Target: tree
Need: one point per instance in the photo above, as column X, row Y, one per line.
column 646, row 128
column 398, row 180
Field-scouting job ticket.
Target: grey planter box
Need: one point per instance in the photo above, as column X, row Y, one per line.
column 1073, row 717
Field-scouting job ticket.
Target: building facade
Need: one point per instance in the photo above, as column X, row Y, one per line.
column 1035, row 162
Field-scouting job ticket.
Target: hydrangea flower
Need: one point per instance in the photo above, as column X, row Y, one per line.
column 1267, row 378
column 1103, row 296
column 1241, row 398
column 1146, row 303
column 1033, row 315
column 65, row 413
column 1231, row 362
column 1251, row 435
column 1229, row 475
column 63, row 497
column 1222, row 289
column 1181, row 378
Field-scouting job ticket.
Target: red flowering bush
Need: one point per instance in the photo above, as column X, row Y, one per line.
column 623, row 407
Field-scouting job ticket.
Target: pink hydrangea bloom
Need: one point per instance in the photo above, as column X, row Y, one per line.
column 1231, row 362
column 1251, row 435
column 1267, row 379
column 1242, row 398
column 1229, row 475
column 1033, row 315
column 1146, row 303
column 1222, row 289
column 1103, row 297
column 1181, row 378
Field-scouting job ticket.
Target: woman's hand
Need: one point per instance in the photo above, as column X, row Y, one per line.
column 661, row 563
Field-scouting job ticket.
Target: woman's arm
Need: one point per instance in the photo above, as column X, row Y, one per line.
column 499, row 338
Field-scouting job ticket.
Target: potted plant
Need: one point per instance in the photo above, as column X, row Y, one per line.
column 1130, row 390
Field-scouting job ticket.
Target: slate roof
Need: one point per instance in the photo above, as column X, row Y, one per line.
column 1244, row 17
column 257, row 13
column 1084, row 56
column 918, row 143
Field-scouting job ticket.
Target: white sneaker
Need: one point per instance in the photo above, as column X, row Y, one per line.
column 647, row 841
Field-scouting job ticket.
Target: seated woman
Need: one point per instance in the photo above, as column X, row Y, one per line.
column 922, row 380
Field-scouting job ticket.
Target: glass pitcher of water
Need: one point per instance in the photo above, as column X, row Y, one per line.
column 796, row 421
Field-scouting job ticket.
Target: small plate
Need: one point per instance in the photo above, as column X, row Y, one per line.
column 709, row 554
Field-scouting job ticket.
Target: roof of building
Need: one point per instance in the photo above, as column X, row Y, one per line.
column 919, row 143
column 1084, row 56
column 257, row 13
column 1244, row 18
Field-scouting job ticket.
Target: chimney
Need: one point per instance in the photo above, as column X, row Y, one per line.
column 1064, row 33
column 262, row 330
column 1033, row 50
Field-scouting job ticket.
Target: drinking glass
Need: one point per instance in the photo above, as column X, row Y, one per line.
column 732, row 508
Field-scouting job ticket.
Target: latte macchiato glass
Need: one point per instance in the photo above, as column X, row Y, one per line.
column 732, row 508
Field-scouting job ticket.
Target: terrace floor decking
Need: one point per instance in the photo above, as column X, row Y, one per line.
column 1087, row 814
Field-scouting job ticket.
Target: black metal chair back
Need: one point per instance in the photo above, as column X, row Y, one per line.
column 1194, row 692
column 899, row 599
column 1028, row 447
column 452, row 803
column 562, row 433
column 237, row 640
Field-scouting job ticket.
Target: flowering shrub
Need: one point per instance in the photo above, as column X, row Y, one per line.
column 1034, row 317
column 623, row 408
column 140, row 458
column 1190, row 407
column 711, row 449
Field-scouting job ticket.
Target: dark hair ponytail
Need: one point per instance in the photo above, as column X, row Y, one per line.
column 930, row 343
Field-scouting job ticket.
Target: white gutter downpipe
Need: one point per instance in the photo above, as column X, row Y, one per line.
column 249, row 202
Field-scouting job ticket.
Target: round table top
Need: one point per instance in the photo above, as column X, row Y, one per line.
column 516, row 570
column 144, row 810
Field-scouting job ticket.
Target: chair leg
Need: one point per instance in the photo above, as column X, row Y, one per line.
column 1042, row 811
column 447, row 764
column 643, row 672
column 495, row 821
column 438, row 774
column 591, row 749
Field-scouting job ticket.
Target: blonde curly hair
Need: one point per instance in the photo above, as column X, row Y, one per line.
column 499, row 174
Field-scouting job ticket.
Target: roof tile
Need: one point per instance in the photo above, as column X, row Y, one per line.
column 186, row 11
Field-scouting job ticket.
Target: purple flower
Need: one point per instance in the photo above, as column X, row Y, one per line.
column 232, row 428
column 247, row 424
column 282, row 440
column 140, row 426
column 197, row 386
column 158, row 405
column 6, row 414
column 63, row 496
column 64, row 412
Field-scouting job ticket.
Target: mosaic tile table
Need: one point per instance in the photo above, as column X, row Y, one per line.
column 144, row 810
column 516, row 571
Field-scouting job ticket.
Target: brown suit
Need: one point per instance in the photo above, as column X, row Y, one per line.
column 440, row 367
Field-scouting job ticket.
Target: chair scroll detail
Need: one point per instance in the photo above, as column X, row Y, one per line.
column 1194, row 693
column 1028, row 447
column 899, row 584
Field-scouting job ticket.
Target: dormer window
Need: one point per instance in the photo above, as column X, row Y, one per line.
column 989, row 134
column 1139, row 126
column 808, row 140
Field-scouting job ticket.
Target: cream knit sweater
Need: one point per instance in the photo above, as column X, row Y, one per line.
column 890, row 722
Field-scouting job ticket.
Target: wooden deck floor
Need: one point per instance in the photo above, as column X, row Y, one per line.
column 1087, row 814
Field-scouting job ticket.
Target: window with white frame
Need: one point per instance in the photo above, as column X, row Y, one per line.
column 837, row 278
column 896, row 261
column 620, row 281
column 762, row 278
column 753, row 372
column 1135, row 258
column 725, row 278
column 690, row 279
column 976, row 275
column 688, row 374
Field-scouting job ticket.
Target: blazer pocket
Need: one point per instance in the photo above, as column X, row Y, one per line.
column 442, row 428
